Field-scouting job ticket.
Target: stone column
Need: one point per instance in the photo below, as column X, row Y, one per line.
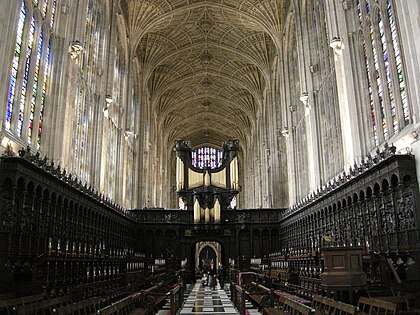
column 307, row 98
column 339, row 17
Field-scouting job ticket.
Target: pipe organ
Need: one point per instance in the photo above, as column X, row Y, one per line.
column 207, row 189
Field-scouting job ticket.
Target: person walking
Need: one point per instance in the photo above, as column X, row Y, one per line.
column 221, row 275
column 212, row 278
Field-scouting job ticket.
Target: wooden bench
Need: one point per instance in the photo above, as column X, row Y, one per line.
column 260, row 295
column 159, row 298
column 288, row 306
column 324, row 305
column 45, row 307
column 255, row 297
column 89, row 306
column 375, row 306
column 176, row 297
column 237, row 296
column 272, row 311
column 291, row 296
column 11, row 305
column 400, row 300
column 309, row 287
column 146, row 301
column 7, row 296
column 123, row 306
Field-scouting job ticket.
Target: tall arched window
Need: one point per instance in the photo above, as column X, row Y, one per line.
column 31, row 59
column 15, row 66
column 43, row 93
column 35, row 87
column 25, row 76
column 384, row 68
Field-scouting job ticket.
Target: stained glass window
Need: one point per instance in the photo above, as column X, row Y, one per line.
column 386, row 85
column 359, row 10
column 388, row 73
column 35, row 87
column 15, row 66
column 25, row 77
column 44, row 8
column 372, row 104
column 78, row 102
column 43, row 94
column 207, row 157
column 53, row 7
column 367, row 6
column 400, row 71
column 378, row 82
column 27, row 91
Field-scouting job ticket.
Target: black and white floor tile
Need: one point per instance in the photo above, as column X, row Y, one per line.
column 203, row 300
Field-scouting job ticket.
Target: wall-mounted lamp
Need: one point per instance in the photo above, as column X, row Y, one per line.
column 75, row 49
column 106, row 112
column 285, row 132
column 304, row 97
column 313, row 68
column 292, row 108
column 129, row 135
column 108, row 99
column 337, row 44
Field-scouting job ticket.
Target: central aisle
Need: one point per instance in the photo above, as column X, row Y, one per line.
column 202, row 300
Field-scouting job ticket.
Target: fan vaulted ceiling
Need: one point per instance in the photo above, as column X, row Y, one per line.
column 206, row 64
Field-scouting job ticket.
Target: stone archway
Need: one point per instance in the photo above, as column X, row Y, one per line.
column 201, row 260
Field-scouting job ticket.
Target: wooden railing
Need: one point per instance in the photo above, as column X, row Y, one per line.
column 33, row 304
column 375, row 306
column 147, row 301
column 237, row 296
column 88, row 306
column 329, row 306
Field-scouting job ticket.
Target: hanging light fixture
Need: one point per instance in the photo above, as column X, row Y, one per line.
column 75, row 49
column 108, row 99
column 337, row 44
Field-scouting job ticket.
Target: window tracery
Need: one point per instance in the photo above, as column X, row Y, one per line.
column 206, row 157
column 43, row 94
column 384, row 68
column 24, row 113
column 35, row 87
column 15, row 66
column 25, row 77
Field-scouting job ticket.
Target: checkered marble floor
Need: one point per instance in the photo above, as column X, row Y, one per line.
column 202, row 300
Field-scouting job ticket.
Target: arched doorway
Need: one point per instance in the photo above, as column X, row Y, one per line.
column 206, row 254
